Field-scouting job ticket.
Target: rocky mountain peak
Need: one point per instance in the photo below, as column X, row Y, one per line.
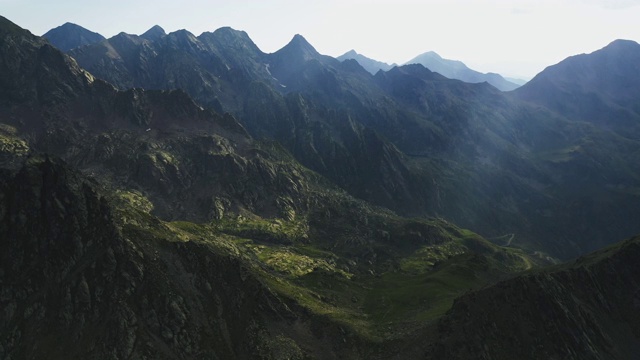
column 299, row 47
column 184, row 39
column 227, row 32
column 229, row 38
column 623, row 44
column 70, row 36
column 154, row 34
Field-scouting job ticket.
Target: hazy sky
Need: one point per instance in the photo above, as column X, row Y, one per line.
column 514, row 38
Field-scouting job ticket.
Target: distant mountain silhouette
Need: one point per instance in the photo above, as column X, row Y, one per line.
column 454, row 69
column 516, row 81
column 70, row 36
column 371, row 65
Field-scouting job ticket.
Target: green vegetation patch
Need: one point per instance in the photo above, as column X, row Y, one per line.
column 398, row 297
column 165, row 158
column 135, row 199
column 11, row 144
column 272, row 231
column 293, row 264
column 425, row 258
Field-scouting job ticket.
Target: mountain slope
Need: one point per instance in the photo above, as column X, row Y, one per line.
column 372, row 66
column 493, row 140
column 587, row 309
column 118, row 290
column 70, row 36
column 159, row 142
column 97, row 278
column 454, row 69
column 180, row 60
column 230, row 73
column 601, row 87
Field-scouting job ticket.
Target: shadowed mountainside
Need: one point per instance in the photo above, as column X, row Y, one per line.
column 587, row 309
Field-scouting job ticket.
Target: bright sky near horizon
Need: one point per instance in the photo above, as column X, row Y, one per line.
column 516, row 38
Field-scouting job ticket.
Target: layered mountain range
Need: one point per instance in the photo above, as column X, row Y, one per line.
column 371, row 65
column 408, row 139
column 452, row 69
column 176, row 196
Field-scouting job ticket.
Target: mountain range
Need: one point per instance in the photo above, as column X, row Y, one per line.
column 176, row 196
column 454, row 69
column 372, row 66
column 451, row 69
column 403, row 139
column 70, row 36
